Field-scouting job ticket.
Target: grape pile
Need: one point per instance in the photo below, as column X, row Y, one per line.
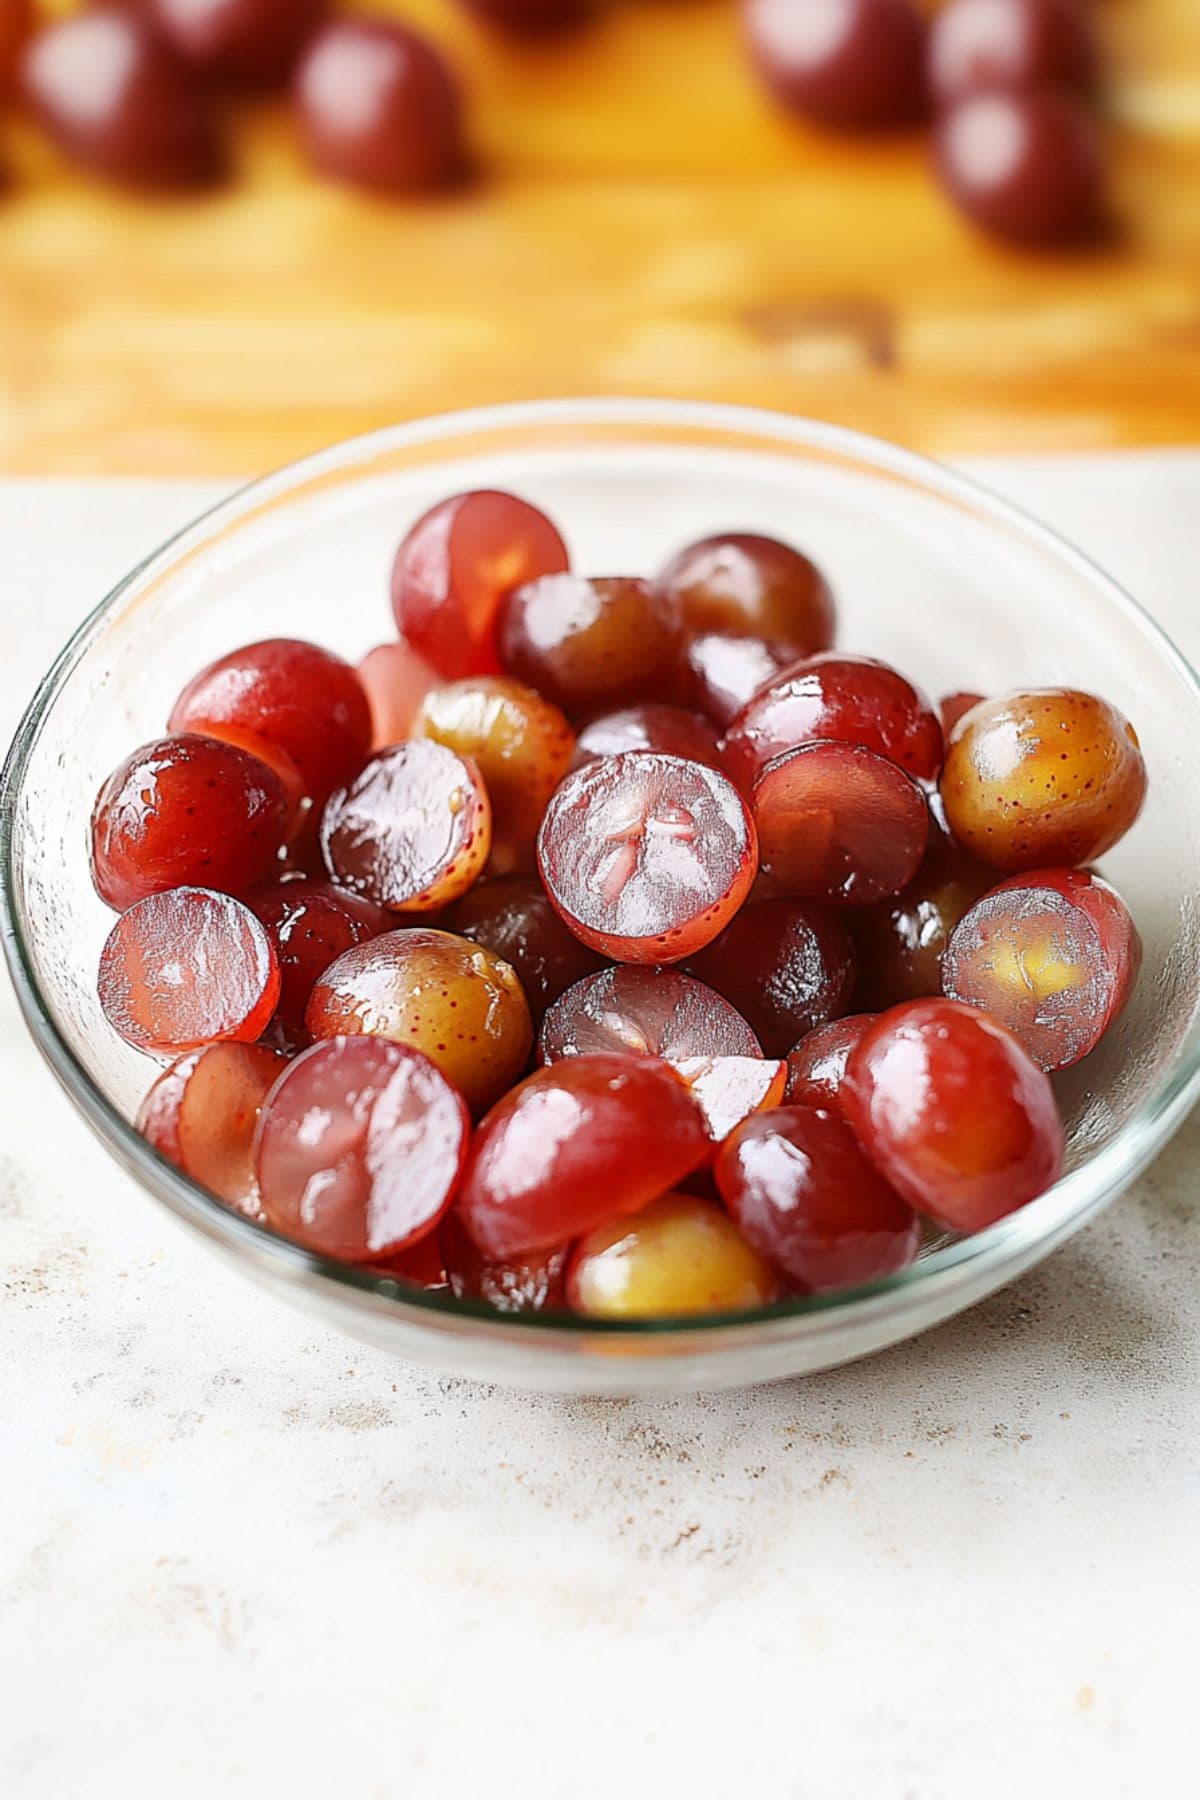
column 521, row 961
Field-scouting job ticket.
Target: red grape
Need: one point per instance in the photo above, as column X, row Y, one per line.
column 817, row 1065
column 302, row 855
column 1025, row 166
column 646, row 1012
column 310, row 923
column 785, row 966
column 395, row 680
column 591, row 644
column 953, row 707
column 454, row 569
column 531, row 18
column 110, row 94
column 359, row 1148
column 521, row 744
column 16, row 21
column 1052, row 955
column 669, row 730
column 752, row 586
column 953, row 1112
column 453, row 1000
column 247, row 42
column 532, row 1282
column 289, row 696
column 900, row 942
column 1042, row 779
column 577, row 1144
column 412, row 831
column 186, row 967
column 730, row 1088
column 721, row 672
column 850, row 699
column 840, row 824
column 201, row 1114
column 422, row 1265
column 1010, row 44
column 647, row 857
column 379, row 107
column 804, row 1195
column 853, row 65
column 679, row 1257
column 186, row 811
column 512, row 917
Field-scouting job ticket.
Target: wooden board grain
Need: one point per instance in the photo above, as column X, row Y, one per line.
column 641, row 222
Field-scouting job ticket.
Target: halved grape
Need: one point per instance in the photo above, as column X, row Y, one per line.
column 730, row 1088
column 647, row 857
column 310, row 923
column 451, row 999
column 185, row 968
column 577, row 1144
column 395, row 680
column 521, row 744
column 679, row 1257
column 186, row 811
column 289, row 696
column 785, row 966
column 201, row 1114
column 359, row 1148
column 954, row 1112
column 454, row 569
column 646, row 1012
column 753, row 586
column 532, row 1282
column 842, row 698
column 1053, row 955
column 412, row 832
column 804, row 1195
column 839, row 824
column 591, row 643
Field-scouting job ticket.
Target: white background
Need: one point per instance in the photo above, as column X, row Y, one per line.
column 240, row 1556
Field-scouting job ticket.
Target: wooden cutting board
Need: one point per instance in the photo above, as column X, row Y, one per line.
column 641, row 222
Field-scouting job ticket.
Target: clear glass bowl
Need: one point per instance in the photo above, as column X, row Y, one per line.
column 930, row 571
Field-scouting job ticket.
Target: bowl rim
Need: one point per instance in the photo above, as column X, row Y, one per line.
column 1039, row 1226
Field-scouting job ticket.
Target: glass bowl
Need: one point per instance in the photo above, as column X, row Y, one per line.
column 931, row 572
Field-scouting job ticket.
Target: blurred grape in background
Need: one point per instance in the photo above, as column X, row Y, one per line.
column 883, row 211
column 128, row 92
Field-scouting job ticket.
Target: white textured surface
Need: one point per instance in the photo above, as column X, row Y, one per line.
column 242, row 1557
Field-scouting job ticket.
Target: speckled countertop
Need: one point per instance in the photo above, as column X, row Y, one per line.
column 240, row 1556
